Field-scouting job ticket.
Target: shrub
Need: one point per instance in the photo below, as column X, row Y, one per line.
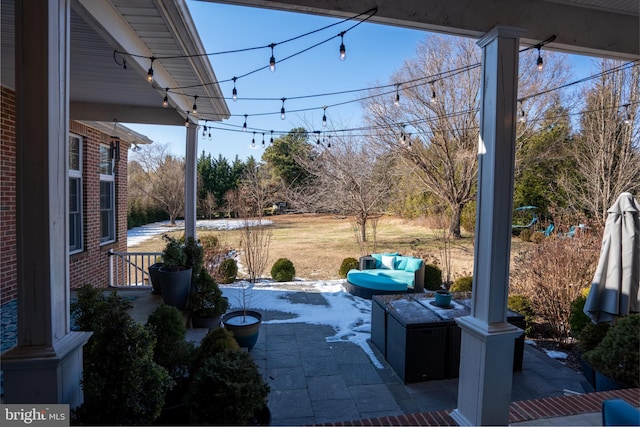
column 121, row 382
column 537, row 237
column 194, row 255
column 462, row 284
column 171, row 351
column 205, row 298
column 522, row 305
column 173, row 256
column 525, row 235
column 216, row 341
column 432, row 277
column 552, row 275
column 228, row 270
column 227, row 390
column 577, row 319
column 618, row 354
column 283, row 270
column 347, row 264
column 591, row 335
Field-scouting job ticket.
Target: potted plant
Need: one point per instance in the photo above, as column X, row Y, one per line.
column 244, row 323
column 175, row 277
column 616, row 358
column 206, row 302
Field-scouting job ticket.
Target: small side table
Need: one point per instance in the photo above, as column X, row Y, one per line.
column 367, row 263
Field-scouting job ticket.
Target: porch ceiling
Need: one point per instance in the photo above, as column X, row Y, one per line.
column 608, row 28
column 100, row 89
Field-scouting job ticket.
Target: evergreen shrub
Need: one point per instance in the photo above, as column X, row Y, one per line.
column 283, row 270
column 432, row 277
column 462, row 284
column 347, row 264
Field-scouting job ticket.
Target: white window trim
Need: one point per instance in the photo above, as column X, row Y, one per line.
column 109, row 178
column 77, row 174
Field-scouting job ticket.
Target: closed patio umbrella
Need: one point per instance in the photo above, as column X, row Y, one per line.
column 614, row 291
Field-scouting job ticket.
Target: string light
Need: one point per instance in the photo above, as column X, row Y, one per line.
column 194, row 109
column 539, row 61
column 343, row 51
column 397, row 100
column 433, row 92
column 324, row 116
column 521, row 114
column 136, row 148
column 272, row 60
column 329, row 141
column 150, row 72
column 209, row 134
column 253, row 140
column 271, row 140
column 234, row 93
column 165, row 101
column 186, row 121
column 403, row 136
column 262, row 139
column 244, row 126
column 204, row 129
column 282, row 112
column 627, row 119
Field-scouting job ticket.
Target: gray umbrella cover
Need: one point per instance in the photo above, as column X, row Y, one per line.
column 614, row 291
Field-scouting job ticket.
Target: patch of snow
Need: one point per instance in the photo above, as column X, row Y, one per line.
column 556, row 354
column 353, row 323
column 531, row 342
column 138, row 235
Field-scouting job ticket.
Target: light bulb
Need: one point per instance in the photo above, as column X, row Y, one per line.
column 272, row 64
column 282, row 114
column 396, row 102
column 324, row 120
column 244, row 126
column 343, row 52
column 150, row 75
column 271, row 140
column 433, row 96
column 165, row 102
column 539, row 61
column 234, row 94
column 186, row 122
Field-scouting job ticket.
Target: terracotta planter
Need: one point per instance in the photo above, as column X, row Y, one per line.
column 245, row 326
column 175, row 287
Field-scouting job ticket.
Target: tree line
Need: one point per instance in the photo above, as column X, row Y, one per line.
column 576, row 151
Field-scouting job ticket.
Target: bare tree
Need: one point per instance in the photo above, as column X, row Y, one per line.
column 606, row 152
column 160, row 176
column 255, row 235
column 349, row 179
column 433, row 129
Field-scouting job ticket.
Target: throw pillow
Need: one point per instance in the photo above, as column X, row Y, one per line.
column 413, row 264
column 388, row 262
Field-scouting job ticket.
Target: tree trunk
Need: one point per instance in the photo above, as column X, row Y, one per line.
column 454, row 226
column 363, row 229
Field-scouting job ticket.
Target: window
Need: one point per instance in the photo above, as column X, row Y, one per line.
column 75, row 194
column 107, row 197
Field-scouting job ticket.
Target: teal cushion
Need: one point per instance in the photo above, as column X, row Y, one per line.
column 387, row 280
column 413, row 264
column 401, row 262
column 378, row 258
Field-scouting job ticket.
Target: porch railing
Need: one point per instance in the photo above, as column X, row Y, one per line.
column 131, row 269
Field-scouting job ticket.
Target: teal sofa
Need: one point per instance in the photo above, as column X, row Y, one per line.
column 392, row 273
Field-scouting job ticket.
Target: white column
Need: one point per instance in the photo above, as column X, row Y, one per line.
column 486, row 354
column 46, row 365
column 191, row 181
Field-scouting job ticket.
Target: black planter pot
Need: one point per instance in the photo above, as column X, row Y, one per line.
column 245, row 326
column 156, row 278
column 205, row 322
column 263, row 417
column 588, row 371
column 175, row 287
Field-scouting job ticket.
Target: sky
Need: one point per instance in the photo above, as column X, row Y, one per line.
column 374, row 53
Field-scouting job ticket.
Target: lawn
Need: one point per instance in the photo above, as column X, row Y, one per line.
column 317, row 244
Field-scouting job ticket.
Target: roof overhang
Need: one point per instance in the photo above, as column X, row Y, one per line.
column 602, row 28
column 102, row 90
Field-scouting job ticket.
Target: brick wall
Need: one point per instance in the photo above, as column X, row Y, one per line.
column 8, row 256
column 92, row 264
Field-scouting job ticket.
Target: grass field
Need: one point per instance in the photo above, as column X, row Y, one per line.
column 317, row 244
